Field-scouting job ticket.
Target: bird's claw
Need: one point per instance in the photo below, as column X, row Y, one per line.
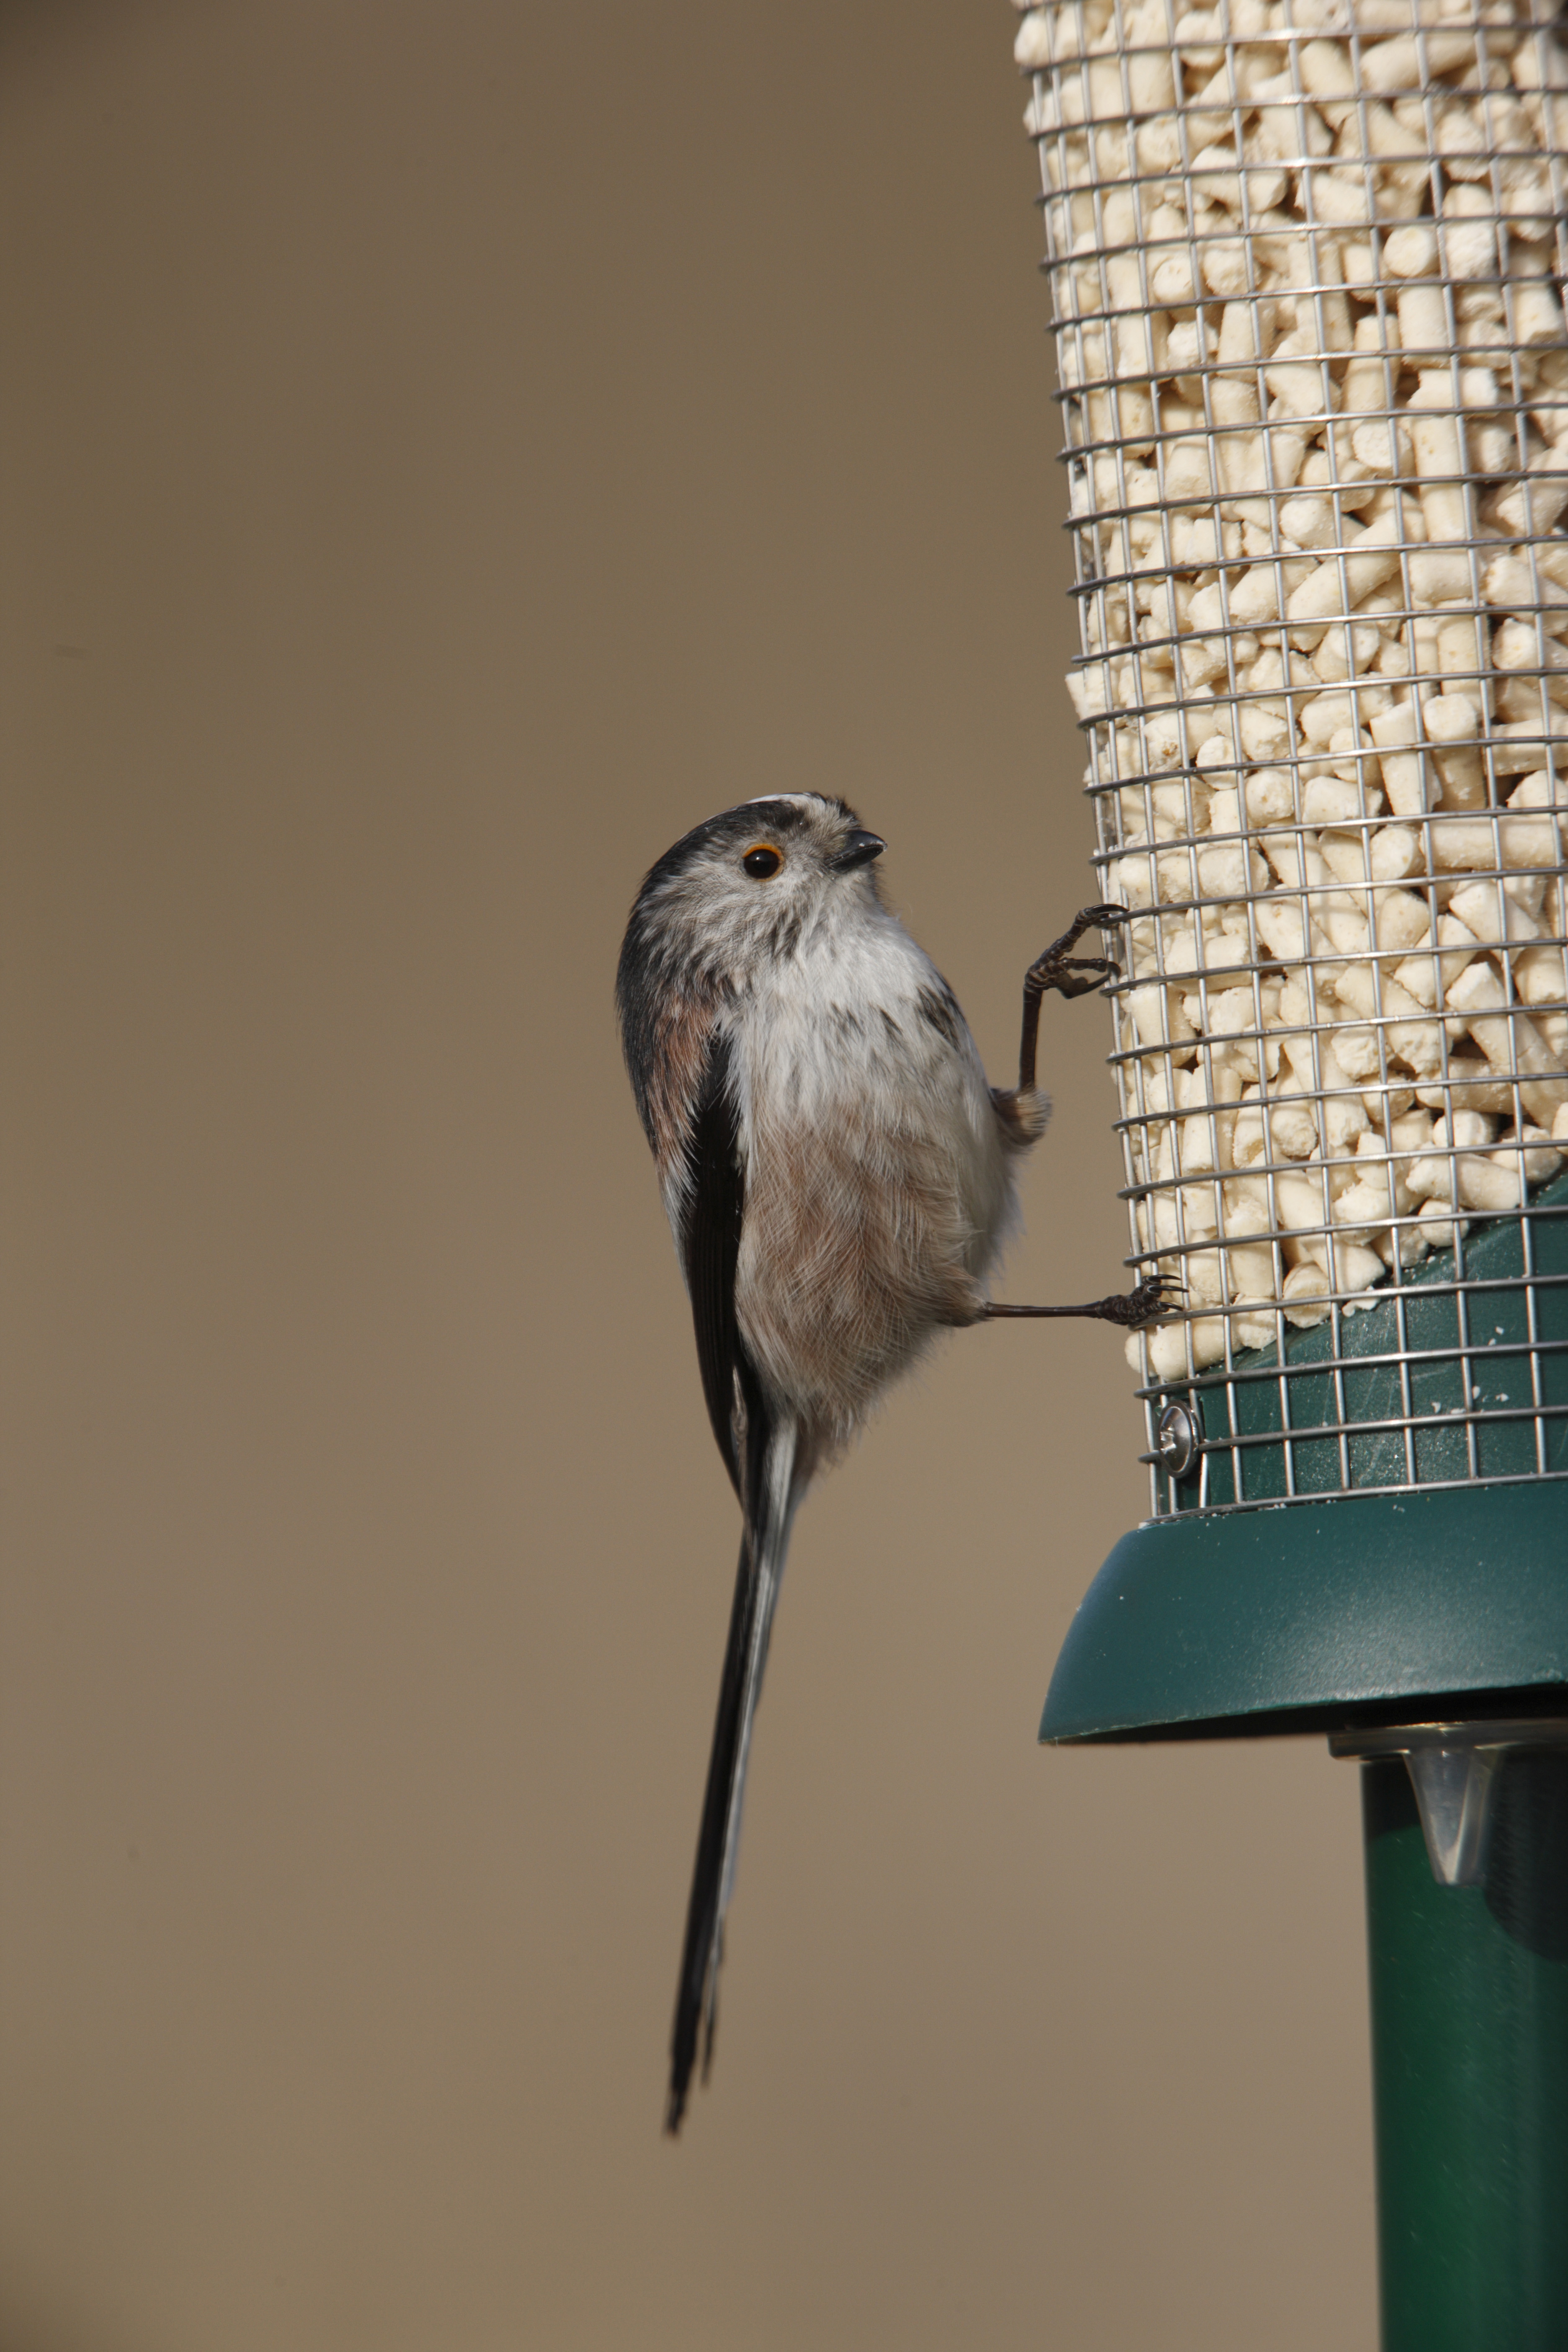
column 1071, row 975
column 1149, row 1300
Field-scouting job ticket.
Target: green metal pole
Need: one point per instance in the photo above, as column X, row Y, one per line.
column 1469, row 2035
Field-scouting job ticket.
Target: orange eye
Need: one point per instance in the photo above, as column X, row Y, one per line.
column 760, row 860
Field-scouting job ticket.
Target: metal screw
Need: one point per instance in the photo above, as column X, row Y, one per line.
column 1178, row 1435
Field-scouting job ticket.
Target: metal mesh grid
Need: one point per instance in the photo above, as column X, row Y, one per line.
column 1304, row 258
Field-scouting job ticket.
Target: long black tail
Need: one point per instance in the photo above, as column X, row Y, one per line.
column 763, row 1549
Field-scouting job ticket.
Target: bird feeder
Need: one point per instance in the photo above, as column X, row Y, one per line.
column 1305, row 258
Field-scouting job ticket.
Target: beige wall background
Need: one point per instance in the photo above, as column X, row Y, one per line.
column 450, row 449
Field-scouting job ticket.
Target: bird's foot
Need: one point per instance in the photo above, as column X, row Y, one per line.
column 1144, row 1304
column 1068, row 975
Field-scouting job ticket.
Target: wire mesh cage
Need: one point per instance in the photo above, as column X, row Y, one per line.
column 1305, row 259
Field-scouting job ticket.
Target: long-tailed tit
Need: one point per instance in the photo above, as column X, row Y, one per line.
column 839, row 1177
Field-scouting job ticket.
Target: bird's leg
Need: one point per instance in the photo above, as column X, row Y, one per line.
column 1072, row 976
column 1131, row 1309
column 1069, row 974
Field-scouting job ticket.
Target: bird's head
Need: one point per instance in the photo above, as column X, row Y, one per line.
column 746, row 887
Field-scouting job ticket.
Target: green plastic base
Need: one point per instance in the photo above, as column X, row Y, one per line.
column 1309, row 1615
column 1460, row 1368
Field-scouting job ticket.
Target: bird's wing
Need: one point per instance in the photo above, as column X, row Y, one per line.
column 712, row 1212
column 758, row 1451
